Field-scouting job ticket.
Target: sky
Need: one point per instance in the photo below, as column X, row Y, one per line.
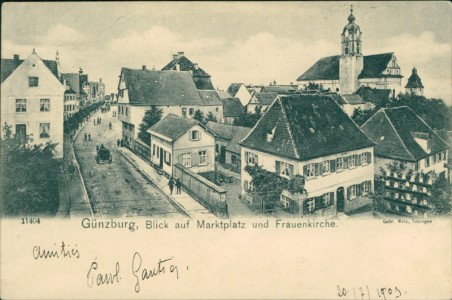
column 249, row 42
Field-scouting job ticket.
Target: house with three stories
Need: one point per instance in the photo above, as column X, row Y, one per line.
column 32, row 99
column 311, row 136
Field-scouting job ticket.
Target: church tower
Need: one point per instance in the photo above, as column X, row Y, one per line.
column 351, row 60
column 414, row 85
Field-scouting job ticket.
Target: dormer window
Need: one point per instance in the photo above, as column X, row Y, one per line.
column 271, row 134
column 423, row 139
column 33, row 81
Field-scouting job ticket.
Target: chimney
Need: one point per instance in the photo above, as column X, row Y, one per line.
column 180, row 53
column 100, row 80
column 143, row 67
column 196, row 66
column 174, row 56
column 16, row 61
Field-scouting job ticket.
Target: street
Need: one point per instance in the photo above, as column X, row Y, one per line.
column 117, row 189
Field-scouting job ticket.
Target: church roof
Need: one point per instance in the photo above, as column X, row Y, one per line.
column 8, row 66
column 414, row 81
column 306, row 126
column 327, row 68
column 394, row 130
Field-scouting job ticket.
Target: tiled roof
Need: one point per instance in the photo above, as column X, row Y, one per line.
column 306, row 126
column 232, row 107
column 223, row 95
column 221, row 130
column 209, row 97
column 149, row 87
column 234, row 88
column 266, row 98
column 172, row 126
column 328, row 68
column 7, row 67
column 414, row 81
column 373, row 95
column 393, row 130
column 353, row 99
column 240, row 134
column 280, row 89
column 201, row 78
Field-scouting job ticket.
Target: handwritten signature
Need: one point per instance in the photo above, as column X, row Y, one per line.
column 96, row 277
column 63, row 251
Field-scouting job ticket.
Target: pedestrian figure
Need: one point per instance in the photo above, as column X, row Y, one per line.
column 97, row 147
column 171, row 185
column 89, row 136
column 178, row 186
column 118, row 142
column 86, row 136
column 71, row 170
column 109, row 125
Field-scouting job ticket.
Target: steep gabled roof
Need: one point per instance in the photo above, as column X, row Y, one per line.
column 374, row 65
column 185, row 65
column 8, row 66
column 209, row 97
column 394, row 130
column 306, row 126
column 324, row 68
column 234, row 88
column 172, row 126
column 265, row 98
column 149, row 87
column 327, row 68
column 232, row 107
column 414, row 81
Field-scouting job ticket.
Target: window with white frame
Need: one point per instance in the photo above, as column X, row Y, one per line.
column 351, row 161
column 327, row 199
column 427, row 162
column 286, row 169
column 443, row 155
column 416, row 166
column 44, row 105
column 44, row 130
column 366, row 187
column 186, row 159
column 364, row 158
column 21, row 105
column 309, row 170
column 352, row 191
column 202, row 157
column 326, row 166
column 339, row 163
column 311, row 205
column 194, row 135
column 248, row 186
column 251, row 158
column 191, row 111
column 285, row 201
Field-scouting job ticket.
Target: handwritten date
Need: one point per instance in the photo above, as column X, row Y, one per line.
column 364, row 293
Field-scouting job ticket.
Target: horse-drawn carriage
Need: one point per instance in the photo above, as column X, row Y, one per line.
column 103, row 156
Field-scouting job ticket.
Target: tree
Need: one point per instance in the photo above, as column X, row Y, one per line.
column 441, row 197
column 360, row 116
column 29, row 185
column 249, row 119
column 151, row 117
column 211, row 117
column 433, row 111
column 199, row 116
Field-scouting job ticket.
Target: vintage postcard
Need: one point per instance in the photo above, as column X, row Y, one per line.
column 226, row 150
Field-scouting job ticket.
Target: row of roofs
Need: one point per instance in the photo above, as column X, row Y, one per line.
column 307, row 126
